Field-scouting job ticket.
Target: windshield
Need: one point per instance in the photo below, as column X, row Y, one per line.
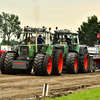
column 61, row 38
column 29, row 37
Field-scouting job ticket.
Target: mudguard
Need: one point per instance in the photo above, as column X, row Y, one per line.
column 81, row 50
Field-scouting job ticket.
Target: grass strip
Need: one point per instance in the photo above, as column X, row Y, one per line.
column 92, row 94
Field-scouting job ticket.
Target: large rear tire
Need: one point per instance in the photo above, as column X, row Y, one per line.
column 84, row 61
column 2, row 62
column 8, row 63
column 42, row 65
column 57, row 62
column 72, row 63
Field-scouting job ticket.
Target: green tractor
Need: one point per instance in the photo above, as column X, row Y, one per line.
column 33, row 55
column 75, row 56
column 48, row 57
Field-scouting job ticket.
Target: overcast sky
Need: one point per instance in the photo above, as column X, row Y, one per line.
column 67, row 14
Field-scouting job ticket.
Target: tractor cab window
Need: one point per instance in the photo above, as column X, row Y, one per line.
column 28, row 37
column 67, row 38
column 63, row 38
column 75, row 39
column 58, row 39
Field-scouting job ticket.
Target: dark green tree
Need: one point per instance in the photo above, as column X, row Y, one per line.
column 9, row 25
column 4, row 42
column 87, row 31
column 13, row 42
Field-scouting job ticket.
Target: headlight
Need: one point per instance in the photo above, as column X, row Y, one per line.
column 28, row 58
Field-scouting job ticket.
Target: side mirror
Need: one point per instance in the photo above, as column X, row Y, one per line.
column 80, row 37
column 50, row 38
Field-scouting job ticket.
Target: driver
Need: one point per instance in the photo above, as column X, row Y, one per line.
column 40, row 40
column 67, row 40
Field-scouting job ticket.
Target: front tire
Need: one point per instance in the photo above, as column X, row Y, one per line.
column 2, row 62
column 38, row 63
column 8, row 63
column 72, row 63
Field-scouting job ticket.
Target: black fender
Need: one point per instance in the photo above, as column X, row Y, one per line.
column 73, row 51
column 58, row 47
column 81, row 50
column 39, row 53
column 13, row 52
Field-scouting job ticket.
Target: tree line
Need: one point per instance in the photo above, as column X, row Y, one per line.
column 10, row 26
column 88, row 31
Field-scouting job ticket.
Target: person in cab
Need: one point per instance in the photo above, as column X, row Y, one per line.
column 67, row 40
column 40, row 40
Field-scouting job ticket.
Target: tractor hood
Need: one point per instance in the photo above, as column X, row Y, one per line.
column 30, row 50
column 27, row 50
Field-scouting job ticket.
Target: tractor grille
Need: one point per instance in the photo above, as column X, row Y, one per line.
column 24, row 51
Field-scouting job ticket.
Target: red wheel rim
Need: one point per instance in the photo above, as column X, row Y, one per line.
column 49, row 65
column 75, row 64
column 60, row 63
column 86, row 62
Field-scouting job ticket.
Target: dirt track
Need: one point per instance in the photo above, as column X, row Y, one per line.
column 19, row 87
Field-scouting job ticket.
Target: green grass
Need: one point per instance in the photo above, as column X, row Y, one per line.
column 93, row 94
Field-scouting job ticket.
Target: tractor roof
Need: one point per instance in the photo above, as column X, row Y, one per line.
column 30, row 29
column 65, row 31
